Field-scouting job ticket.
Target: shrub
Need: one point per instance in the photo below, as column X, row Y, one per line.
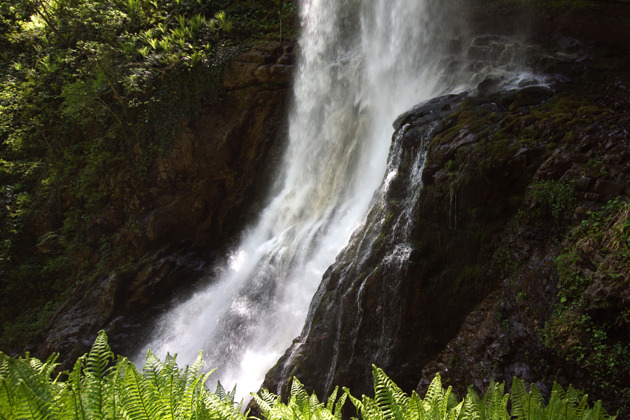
column 556, row 197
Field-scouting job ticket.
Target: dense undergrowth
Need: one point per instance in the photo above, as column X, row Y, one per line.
column 100, row 386
column 91, row 93
column 589, row 325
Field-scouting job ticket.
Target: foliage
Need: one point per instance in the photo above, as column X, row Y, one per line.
column 100, row 388
column 556, row 197
column 590, row 311
column 91, row 93
column 104, row 387
column 300, row 404
column 390, row 402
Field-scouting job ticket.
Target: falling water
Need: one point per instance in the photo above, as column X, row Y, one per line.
column 362, row 63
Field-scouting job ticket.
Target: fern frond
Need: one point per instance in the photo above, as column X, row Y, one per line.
column 96, row 389
column 577, row 400
column 220, row 391
column 74, row 398
column 192, row 371
column 330, row 404
column 7, row 388
column 454, row 412
column 443, row 405
column 472, row 404
column 4, row 365
column 582, row 407
column 596, row 413
column 218, row 408
column 415, row 408
column 165, row 381
column 31, row 405
column 520, row 399
column 28, row 382
column 6, row 398
column 358, row 405
column 389, row 397
column 115, row 380
column 313, row 407
column 371, row 410
column 151, row 369
column 558, row 406
column 265, row 401
column 495, row 401
column 434, row 392
column 140, row 398
column 299, row 401
column 30, row 375
column 190, row 386
column 573, row 395
column 304, row 406
column 99, row 357
column 339, row 405
column 231, row 396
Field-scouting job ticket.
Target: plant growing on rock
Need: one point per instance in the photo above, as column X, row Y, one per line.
column 591, row 310
column 555, row 196
column 92, row 94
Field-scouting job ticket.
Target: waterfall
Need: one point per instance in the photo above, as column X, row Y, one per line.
column 362, row 63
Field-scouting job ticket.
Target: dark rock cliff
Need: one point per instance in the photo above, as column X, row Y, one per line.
column 473, row 286
column 200, row 194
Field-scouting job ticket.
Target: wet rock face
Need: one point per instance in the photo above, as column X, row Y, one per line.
column 468, row 288
column 545, row 308
column 199, row 196
column 404, row 285
column 216, row 173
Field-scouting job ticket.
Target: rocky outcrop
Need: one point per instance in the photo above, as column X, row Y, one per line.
column 466, row 287
column 211, row 181
column 197, row 197
column 556, row 313
column 411, row 289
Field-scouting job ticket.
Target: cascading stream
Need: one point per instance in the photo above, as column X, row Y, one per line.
column 362, row 63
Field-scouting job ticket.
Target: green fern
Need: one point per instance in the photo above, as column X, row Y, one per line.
column 98, row 388
column 570, row 404
column 300, row 405
column 471, row 405
column 391, row 400
column 101, row 387
column 26, row 390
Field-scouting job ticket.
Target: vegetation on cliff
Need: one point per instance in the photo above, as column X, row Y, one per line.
column 558, row 310
column 589, row 325
column 91, row 94
column 99, row 387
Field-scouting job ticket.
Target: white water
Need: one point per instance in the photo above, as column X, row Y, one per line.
column 362, row 63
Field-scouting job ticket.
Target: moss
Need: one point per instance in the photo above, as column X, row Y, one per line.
column 473, row 120
column 447, row 136
column 388, row 218
column 452, row 165
column 380, row 241
column 569, row 110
